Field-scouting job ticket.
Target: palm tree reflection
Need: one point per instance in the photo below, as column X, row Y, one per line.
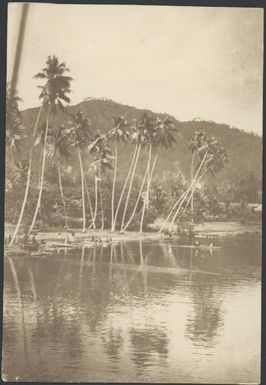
column 148, row 347
column 205, row 319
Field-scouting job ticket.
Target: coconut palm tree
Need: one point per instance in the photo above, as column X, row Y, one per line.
column 14, row 127
column 53, row 94
column 213, row 156
column 102, row 161
column 196, row 145
column 60, row 149
column 80, row 136
column 26, row 193
column 160, row 136
column 142, row 133
column 157, row 135
column 117, row 134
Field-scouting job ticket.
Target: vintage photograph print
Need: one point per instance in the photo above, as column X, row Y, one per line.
column 133, row 194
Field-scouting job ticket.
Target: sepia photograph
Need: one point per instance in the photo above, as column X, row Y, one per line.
column 133, row 194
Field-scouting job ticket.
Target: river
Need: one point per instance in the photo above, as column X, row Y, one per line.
column 139, row 311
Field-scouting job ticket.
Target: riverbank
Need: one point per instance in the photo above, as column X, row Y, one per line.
column 207, row 228
column 224, row 228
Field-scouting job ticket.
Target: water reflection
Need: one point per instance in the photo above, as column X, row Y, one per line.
column 143, row 305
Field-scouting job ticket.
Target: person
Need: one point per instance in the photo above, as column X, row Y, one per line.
column 196, row 243
column 211, row 245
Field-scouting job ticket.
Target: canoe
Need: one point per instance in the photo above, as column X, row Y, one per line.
column 200, row 247
column 62, row 245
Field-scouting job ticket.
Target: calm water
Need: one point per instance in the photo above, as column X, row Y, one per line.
column 139, row 312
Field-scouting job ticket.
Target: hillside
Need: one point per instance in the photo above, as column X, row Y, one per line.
column 244, row 149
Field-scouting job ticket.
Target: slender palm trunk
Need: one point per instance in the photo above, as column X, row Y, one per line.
column 113, row 189
column 42, row 175
column 180, row 201
column 102, row 208
column 124, row 187
column 193, row 190
column 138, row 198
column 130, row 187
column 90, row 205
column 172, row 211
column 61, row 191
column 189, row 189
column 145, row 203
column 82, row 190
column 192, row 195
column 96, row 196
column 28, row 181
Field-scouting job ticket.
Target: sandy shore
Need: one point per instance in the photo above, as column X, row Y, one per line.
column 212, row 228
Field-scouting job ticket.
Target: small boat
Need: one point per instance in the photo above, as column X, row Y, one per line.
column 63, row 245
column 199, row 247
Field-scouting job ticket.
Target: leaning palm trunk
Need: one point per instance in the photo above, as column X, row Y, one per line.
column 61, row 191
column 188, row 190
column 182, row 198
column 96, row 198
column 28, row 181
column 193, row 190
column 192, row 195
column 172, row 211
column 138, row 198
column 113, row 189
column 124, row 187
column 146, row 199
column 130, row 187
column 42, row 176
column 102, row 208
column 82, row 191
column 90, row 205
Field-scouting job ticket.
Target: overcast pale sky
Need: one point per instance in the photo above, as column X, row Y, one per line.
column 186, row 61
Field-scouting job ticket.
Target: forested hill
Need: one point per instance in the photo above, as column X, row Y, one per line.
column 244, row 149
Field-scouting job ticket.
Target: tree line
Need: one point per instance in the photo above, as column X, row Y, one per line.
column 76, row 136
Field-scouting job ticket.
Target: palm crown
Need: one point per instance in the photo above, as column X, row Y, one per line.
column 57, row 84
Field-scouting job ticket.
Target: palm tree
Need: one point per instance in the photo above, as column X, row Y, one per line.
column 80, row 135
column 141, row 133
column 196, row 145
column 102, row 162
column 14, row 127
column 53, row 94
column 20, row 172
column 28, row 177
column 212, row 157
column 157, row 134
column 135, row 139
column 117, row 134
column 160, row 136
column 60, row 148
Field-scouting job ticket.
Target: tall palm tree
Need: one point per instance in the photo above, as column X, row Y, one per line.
column 134, row 139
column 14, row 126
column 60, row 148
column 102, row 161
column 53, row 94
column 212, row 158
column 117, row 134
column 26, row 193
column 159, row 136
column 141, row 134
column 196, row 145
column 80, row 135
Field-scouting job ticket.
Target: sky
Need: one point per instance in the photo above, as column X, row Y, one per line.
column 190, row 62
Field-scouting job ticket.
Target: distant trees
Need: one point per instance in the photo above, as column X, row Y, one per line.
column 108, row 191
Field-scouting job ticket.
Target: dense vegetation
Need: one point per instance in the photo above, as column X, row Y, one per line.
column 104, row 165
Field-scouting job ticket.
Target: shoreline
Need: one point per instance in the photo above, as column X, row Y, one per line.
column 207, row 228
